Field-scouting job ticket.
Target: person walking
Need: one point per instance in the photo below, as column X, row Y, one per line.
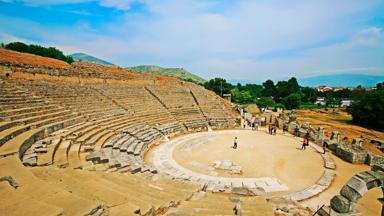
column 324, row 146
column 304, row 145
column 274, row 130
column 308, row 136
column 235, row 143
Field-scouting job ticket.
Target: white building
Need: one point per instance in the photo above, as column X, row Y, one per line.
column 346, row 102
column 320, row 100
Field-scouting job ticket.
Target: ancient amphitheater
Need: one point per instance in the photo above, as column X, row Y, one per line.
column 86, row 139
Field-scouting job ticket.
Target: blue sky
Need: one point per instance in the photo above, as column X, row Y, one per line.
column 242, row 39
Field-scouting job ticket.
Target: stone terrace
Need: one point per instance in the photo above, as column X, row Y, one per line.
column 91, row 126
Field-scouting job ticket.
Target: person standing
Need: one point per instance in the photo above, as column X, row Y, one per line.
column 297, row 131
column 303, row 146
column 324, row 146
column 285, row 128
column 308, row 136
column 235, row 143
column 237, row 209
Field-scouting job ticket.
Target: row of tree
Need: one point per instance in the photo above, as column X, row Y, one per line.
column 288, row 94
column 367, row 108
column 50, row 52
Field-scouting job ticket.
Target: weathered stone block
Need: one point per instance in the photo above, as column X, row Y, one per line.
column 378, row 167
column 340, row 204
column 369, row 179
column 374, row 159
column 378, row 175
column 349, row 193
column 358, row 185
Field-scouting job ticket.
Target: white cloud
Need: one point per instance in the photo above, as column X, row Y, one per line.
column 370, row 36
column 119, row 4
column 213, row 39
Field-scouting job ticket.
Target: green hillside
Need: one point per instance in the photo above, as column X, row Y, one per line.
column 88, row 58
column 176, row 72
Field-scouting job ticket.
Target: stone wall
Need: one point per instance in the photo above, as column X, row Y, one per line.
column 351, row 155
column 351, row 152
column 354, row 189
column 373, row 159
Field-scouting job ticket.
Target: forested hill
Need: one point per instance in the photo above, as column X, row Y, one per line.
column 175, row 72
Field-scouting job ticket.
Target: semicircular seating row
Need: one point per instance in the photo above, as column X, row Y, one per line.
column 55, row 123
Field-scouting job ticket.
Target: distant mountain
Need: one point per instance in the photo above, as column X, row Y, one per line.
column 88, row 58
column 342, row 80
column 175, row 72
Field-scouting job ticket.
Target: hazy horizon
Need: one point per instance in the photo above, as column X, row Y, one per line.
column 236, row 40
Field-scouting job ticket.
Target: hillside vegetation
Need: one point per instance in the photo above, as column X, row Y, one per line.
column 50, row 52
column 175, row 72
column 25, row 58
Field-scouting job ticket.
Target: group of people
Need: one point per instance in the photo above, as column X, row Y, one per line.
column 254, row 124
column 272, row 131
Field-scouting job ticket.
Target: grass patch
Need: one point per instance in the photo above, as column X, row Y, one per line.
column 310, row 106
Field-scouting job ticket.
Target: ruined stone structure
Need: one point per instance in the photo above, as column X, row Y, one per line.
column 86, row 117
column 352, row 191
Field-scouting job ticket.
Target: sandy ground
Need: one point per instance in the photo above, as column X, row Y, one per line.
column 260, row 155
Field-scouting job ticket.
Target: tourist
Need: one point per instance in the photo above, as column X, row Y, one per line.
column 303, row 146
column 256, row 125
column 297, row 131
column 285, row 128
column 235, row 143
column 237, row 209
column 324, row 147
column 274, row 130
column 308, row 136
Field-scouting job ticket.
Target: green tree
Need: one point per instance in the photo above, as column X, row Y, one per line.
column 50, row 52
column 218, row 85
column 285, row 88
column 265, row 102
column 309, row 94
column 292, row 101
column 254, row 89
column 235, row 94
column 246, row 97
column 17, row 46
column 242, row 97
column 331, row 101
column 268, row 88
column 369, row 110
